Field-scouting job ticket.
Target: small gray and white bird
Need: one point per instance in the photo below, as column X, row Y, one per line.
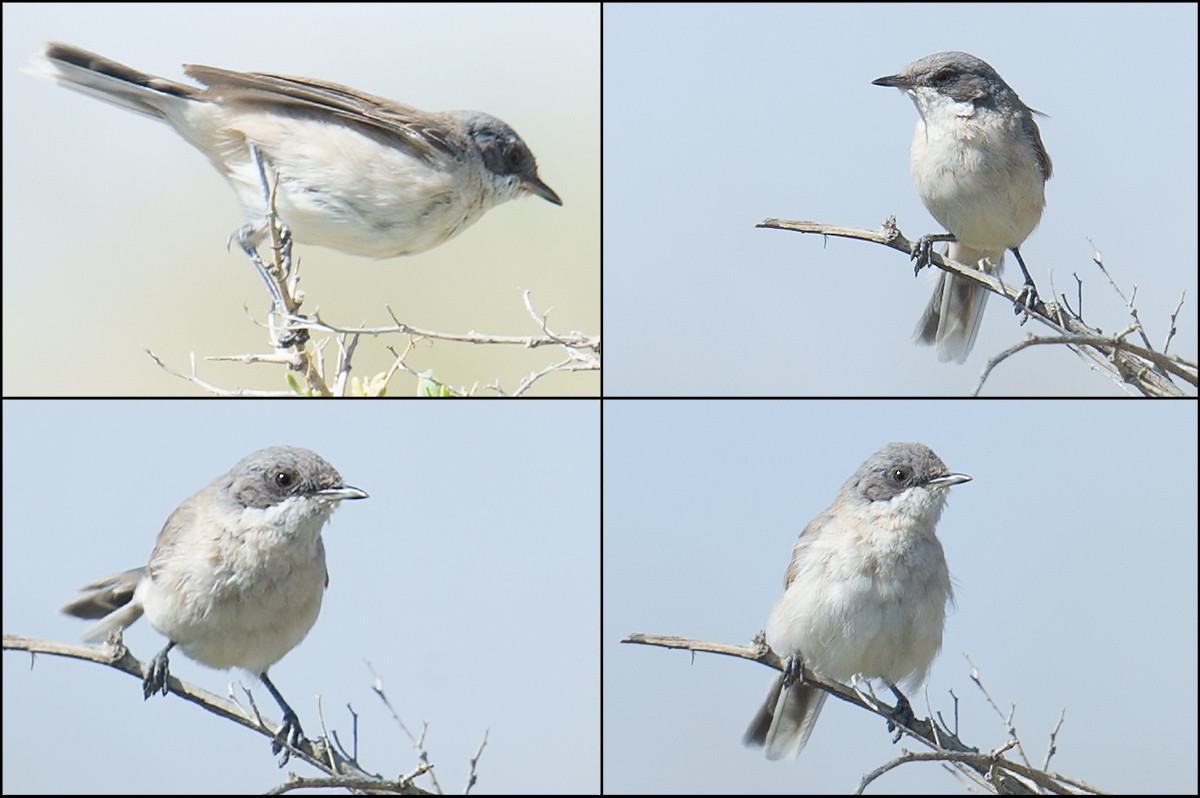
column 356, row 173
column 980, row 167
column 238, row 572
column 865, row 593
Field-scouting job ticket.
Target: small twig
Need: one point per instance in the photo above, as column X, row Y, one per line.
column 1002, row 775
column 1148, row 374
column 418, row 743
column 472, row 774
column 1174, row 317
column 315, row 752
column 1052, row 748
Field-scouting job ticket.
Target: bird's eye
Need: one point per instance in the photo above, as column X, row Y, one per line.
column 900, row 475
column 943, row 76
column 284, row 479
column 514, row 159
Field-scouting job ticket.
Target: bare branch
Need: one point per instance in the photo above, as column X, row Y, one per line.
column 317, row 753
column 1141, row 367
column 1000, row 774
column 289, row 335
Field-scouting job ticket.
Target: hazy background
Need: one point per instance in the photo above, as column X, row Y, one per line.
column 115, row 229
column 744, row 112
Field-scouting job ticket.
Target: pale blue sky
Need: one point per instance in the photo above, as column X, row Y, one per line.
column 718, row 116
column 1073, row 553
column 469, row 579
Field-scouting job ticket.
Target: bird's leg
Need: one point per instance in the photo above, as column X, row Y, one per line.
column 902, row 715
column 924, row 247
column 157, row 673
column 290, row 733
column 1028, row 296
column 250, row 235
column 793, row 670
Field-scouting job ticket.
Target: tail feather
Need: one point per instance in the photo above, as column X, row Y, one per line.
column 951, row 319
column 785, row 720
